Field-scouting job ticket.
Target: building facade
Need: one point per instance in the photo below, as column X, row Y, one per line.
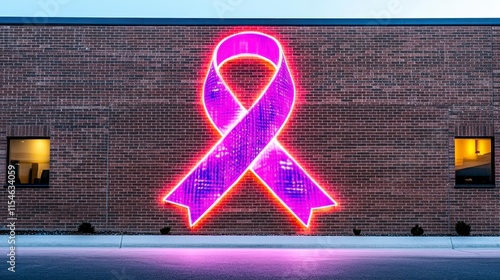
column 383, row 120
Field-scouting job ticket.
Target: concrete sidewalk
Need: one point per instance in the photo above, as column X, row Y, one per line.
column 175, row 241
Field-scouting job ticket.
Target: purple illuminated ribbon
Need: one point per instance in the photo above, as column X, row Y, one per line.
column 249, row 138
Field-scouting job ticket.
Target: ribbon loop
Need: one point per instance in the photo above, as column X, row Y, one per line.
column 249, row 138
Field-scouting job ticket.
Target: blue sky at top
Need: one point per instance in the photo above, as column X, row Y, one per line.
column 254, row 8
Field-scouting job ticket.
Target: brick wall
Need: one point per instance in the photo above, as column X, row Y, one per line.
column 376, row 114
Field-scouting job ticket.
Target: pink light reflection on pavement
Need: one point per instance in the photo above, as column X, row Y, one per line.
column 255, row 263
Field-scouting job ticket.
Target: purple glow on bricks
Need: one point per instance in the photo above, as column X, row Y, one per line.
column 249, row 138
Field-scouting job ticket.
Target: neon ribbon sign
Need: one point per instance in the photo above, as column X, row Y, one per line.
column 249, row 138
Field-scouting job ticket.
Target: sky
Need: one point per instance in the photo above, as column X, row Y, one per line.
column 253, row 8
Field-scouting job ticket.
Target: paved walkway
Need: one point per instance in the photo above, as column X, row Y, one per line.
column 173, row 241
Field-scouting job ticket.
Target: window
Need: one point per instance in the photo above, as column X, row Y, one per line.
column 31, row 160
column 474, row 161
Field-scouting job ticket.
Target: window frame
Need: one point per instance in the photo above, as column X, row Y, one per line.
column 476, row 185
column 8, row 161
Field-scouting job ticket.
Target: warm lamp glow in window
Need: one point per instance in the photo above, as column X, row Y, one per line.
column 31, row 159
column 474, row 161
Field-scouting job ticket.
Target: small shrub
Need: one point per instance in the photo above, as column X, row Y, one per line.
column 86, row 228
column 462, row 228
column 165, row 230
column 356, row 231
column 417, row 230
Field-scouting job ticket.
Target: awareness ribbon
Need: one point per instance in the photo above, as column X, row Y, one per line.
column 249, row 138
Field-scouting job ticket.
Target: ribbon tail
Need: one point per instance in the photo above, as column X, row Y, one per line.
column 190, row 194
column 208, row 182
column 290, row 183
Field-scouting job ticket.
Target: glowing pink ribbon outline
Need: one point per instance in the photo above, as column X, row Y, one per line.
column 222, row 168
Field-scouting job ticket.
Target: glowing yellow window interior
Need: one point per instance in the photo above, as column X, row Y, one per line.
column 31, row 159
column 473, row 161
